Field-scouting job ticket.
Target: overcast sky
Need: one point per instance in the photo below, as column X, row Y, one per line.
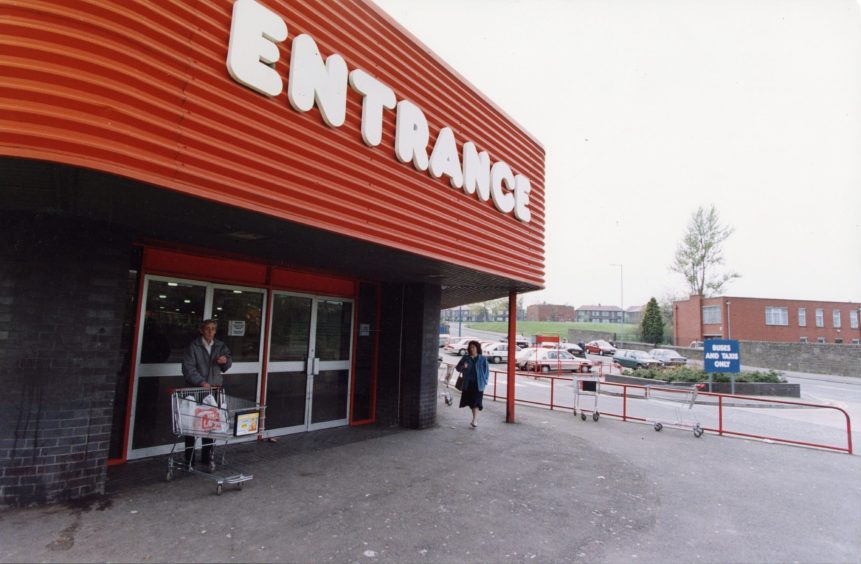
column 650, row 108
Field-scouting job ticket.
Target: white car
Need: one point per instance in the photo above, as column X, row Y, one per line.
column 668, row 357
column 458, row 347
column 544, row 359
column 497, row 352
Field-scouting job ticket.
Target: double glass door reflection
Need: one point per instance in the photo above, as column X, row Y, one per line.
column 308, row 380
column 172, row 311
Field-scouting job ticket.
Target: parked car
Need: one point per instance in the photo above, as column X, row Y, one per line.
column 636, row 359
column 520, row 341
column 542, row 359
column 459, row 346
column 570, row 348
column 698, row 345
column 497, row 352
column 601, row 347
column 669, row 357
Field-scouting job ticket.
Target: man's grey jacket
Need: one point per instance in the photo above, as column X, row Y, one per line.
column 198, row 366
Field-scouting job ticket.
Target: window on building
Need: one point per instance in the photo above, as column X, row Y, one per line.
column 802, row 317
column 853, row 319
column 777, row 316
column 803, row 339
column 711, row 315
column 820, row 317
column 835, row 317
column 856, row 342
column 820, row 339
column 838, row 341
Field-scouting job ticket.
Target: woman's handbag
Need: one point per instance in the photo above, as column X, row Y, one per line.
column 458, row 384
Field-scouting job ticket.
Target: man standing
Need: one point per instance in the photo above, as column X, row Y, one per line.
column 203, row 363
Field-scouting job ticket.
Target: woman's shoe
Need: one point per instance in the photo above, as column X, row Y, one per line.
column 473, row 424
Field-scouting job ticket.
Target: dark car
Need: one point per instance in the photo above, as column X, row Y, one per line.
column 636, row 359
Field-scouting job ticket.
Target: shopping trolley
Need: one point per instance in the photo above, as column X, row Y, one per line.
column 591, row 385
column 210, row 413
column 683, row 403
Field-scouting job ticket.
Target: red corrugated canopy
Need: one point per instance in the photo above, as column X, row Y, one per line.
column 141, row 89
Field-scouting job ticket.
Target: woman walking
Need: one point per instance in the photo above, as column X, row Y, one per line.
column 475, row 373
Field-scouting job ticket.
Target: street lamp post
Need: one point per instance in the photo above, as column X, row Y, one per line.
column 621, row 300
column 460, row 321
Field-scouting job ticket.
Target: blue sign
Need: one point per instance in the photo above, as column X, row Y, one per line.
column 721, row 355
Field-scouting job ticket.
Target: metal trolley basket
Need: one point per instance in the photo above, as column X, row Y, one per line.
column 211, row 413
column 587, row 385
column 682, row 407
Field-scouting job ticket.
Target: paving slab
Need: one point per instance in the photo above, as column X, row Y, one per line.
column 549, row 488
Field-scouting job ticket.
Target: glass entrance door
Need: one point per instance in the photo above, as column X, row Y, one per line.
column 308, row 380
column 172, row 310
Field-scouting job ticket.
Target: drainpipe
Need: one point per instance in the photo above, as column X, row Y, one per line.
column 728, row 322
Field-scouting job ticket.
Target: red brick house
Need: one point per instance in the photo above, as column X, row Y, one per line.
column 765, row 319
column 549, row 312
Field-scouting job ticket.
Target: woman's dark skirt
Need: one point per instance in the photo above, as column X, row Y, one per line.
column 470, row 396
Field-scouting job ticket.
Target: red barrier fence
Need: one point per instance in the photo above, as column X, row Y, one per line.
column 722, row 414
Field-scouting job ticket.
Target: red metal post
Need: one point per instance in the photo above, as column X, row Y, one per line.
column 512, row 336
column 720, row 415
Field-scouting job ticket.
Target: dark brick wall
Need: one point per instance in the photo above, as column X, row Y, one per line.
column 409, row 349
column 62, row 292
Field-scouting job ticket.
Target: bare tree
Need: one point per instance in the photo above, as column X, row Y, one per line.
column 700, row 252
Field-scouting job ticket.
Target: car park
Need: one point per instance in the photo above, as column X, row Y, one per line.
column 636, row 359
column 545, row 359
column 497, row 352
column 600, row 346
column 669, row 357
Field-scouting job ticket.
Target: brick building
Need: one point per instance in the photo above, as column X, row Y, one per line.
column 762, row 319
column 189, row 160
column 549, row 312
column 600, row 314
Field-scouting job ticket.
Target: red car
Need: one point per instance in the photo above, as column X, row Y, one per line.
column 600, row 346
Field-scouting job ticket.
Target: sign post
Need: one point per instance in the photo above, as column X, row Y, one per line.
column 721, row 355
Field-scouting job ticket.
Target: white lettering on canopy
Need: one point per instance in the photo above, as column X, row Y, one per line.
column 253, row 53
column 375, row 97
column 311, row 81
column 444, row 159
column 254, row 32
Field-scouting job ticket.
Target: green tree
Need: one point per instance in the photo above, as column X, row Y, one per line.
column 652, row 326
column 700, row 252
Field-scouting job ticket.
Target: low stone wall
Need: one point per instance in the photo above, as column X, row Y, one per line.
column 741, row 388
column 815, row 358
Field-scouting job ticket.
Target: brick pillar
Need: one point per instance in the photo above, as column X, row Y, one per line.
column 62, row 293
column 409, row 349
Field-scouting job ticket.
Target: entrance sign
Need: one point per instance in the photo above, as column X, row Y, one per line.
column 251, row 59
column 721, row 355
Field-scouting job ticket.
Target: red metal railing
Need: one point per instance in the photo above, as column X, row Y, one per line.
column 617, row 402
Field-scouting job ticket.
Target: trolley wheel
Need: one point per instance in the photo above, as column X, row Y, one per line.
column 218, row 489
column 169, row 476
column 658, row 426
column 582, row 416
column 698, row 431
column 239, row 485
column 595, row 416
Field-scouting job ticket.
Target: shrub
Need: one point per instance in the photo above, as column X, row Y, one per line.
column 687, row 374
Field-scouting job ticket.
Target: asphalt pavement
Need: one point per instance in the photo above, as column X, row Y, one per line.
column 549, row 488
